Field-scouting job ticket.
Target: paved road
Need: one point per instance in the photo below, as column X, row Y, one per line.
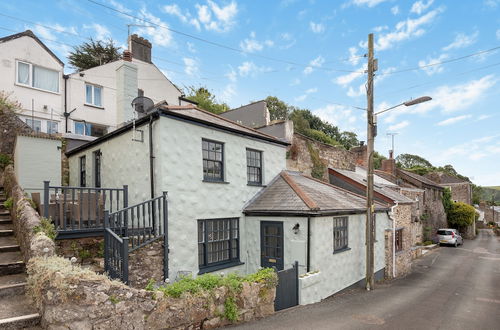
column 451, row 288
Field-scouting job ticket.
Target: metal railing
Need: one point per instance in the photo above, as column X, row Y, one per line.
column 79, row 211
column 131, row 228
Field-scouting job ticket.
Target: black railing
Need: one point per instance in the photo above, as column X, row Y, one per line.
column 79, row 211
column 131, row 228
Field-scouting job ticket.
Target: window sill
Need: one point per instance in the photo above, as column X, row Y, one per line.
column 209, row 269
column 37, row 89
column 255, row 184
column 93, row 106
column 343, row 250
column 210, row 181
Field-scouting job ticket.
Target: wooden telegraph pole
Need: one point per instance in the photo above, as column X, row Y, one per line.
column 371, row 132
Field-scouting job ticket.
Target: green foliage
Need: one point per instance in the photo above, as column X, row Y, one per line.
column 206, row 100
column 230, row 310
column 4, row 160
column 420, row 170
column 6, row 103
column 100, row 252
column 447, row 202
column 427, row 243
column 319, row 168
column 377, row 160
column 47, row 227
column 84, row 254
column 461, row 215
column 8, row 203
column 150, row 285
column 320, row 136
column 407, row 161
column 93, row 53
column 278, row 110
column 427, row 233
column 114, row 300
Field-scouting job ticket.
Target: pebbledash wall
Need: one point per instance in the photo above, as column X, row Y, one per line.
column 329, row 272
column 178, row 169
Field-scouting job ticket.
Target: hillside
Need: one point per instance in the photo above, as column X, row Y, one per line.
column 491, row 193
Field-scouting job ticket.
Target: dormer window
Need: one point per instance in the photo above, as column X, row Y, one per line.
column 35, row 76
column 93, row 95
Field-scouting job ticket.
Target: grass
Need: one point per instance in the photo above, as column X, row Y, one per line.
column 8, row 203
column 47, row 227
column 493, row 187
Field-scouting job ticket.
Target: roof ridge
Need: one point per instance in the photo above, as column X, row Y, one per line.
column 305, row 198
column 246, row 105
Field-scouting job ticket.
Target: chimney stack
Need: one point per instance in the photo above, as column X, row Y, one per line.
column 126, row 91
column 140, row 48
column 361, row 153
column 127, row 56
column 389, row 165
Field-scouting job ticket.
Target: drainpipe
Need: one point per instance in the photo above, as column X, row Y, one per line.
column 151, row 157
column 393, row 240
column 308, row 264
column 66, row 114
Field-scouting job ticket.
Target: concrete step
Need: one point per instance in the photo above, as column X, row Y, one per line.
column 8, row 240
column 10, row 290
column 4, row 233
column 17, row 312
column 12, row 279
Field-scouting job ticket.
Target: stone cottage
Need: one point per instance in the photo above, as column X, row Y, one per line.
column 461, row 190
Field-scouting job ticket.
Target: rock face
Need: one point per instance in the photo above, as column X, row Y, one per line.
column 70, row 297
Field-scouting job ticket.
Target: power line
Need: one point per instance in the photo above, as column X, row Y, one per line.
column 216, row 44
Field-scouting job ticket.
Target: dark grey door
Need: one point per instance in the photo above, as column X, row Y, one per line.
column 287, row 291
column 271, row 244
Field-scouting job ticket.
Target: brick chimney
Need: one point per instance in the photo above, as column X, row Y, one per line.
column 361, row 153
column 127, row 56
column 140, row 48
column 389, row 165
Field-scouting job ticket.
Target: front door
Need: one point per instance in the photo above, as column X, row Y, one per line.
column 271, row 244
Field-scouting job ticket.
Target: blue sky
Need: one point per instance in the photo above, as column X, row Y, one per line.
column 310, row 54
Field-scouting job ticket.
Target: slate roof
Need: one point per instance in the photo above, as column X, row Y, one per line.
column 444, row 178
column 197, row 114
column 294, row 193
column 29, row 33
column 423, row 180
column 378, row 187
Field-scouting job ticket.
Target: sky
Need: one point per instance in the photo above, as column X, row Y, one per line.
column 311, row 54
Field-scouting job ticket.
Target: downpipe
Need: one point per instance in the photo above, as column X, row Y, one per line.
column 391, row 216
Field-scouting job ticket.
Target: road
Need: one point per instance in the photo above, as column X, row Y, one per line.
column 451, row 288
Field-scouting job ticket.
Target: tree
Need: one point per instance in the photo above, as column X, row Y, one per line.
column 407, row 161
column 93, row 53
column 447, row 202
column 206, row 100
column 461, row 215
column 348, row 139
column 377, row 160
column 278, row 110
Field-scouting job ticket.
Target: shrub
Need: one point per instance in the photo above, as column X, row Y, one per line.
column 47, row 227
column 6, row 103
column 4, row 160
column 461, row 215
column 427, row 243
column 230, row 310
column 319, row 167
column 8, row 203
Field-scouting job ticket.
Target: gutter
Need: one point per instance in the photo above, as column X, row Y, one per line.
column 391, row 213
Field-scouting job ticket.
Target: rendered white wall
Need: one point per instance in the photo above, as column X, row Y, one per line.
column 36, row 160
column 149, row 78
column 28, row 50
column 179, row 170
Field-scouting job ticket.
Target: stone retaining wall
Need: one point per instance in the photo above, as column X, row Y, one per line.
column 25, row 219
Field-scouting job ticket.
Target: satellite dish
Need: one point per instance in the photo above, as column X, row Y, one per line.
column 142, row 105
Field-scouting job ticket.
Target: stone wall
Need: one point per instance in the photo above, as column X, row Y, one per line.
column 460, row 192
column 10, row 126
column 299, row 156
column 434, row 209
column 403, row 217
column 70, row 297
column 146, row 264
column 25, row 219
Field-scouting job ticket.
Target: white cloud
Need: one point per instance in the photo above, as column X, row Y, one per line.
column 380, row 28
column 101, row 31
column 453, row 120
column 158, row 34
column 399, row 126
column 404, row 30
column 361, row 90
column 317, row 27
column 251, row 45
column 430, row 70
column 228, row 92
column 462, row 40
column 232, row 75
column 346, row 79
column 250, row 69
column 419, row 7
column 315, row 63
column 302, row 97
column 483, row 117
column 191, row 47
column 473, row 150
column 354, row 57
column 395, row 10
column 288, row 39
column 191, row 66
column 50, row 39
column 367, row 3
column 491, row 3
column 295, row 82
column 338, row 115
column 217, row 18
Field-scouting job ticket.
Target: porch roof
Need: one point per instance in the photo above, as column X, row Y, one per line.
column 293, row 193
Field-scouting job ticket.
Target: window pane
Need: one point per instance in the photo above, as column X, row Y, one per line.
column 45, row 79
column 36, row 125
column 52, row 127
column 23, row 73
column 97, row 96
column 79, row 128
column 88, row 94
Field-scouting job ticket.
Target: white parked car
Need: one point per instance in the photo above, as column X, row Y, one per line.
column 449, row 236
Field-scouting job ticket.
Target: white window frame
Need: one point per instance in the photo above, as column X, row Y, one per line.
column 30, row 79
column 32, row 126
column 48, row 126
column 93, row 94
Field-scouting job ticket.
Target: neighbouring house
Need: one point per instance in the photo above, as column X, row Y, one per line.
column 404, row 231
column 299, row 218
column 210, row 167
column 33, row 75
column 461, row 190
column 37, row 157
column 491, row 213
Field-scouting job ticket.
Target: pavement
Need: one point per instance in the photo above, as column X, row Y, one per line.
column 449, row 288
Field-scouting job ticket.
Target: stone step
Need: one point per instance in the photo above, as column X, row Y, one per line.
column 29, row 321
column 4, row 216
column 7, row 226
column 4, row 233
column 10, row 290
column 9, row 268
column 9, row 248
column 8, row 240
column 17, row 312
column 5, row 221
column 12, row 279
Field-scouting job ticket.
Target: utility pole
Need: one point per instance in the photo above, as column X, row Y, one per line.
column 371, row 132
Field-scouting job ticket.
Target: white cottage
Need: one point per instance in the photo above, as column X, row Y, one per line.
column 210, row 166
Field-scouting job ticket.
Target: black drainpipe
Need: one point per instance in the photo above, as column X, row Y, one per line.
column 308, row 244
column 66, row 114
column 151, row 157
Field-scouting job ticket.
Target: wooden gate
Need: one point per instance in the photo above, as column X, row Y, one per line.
column 287, row 291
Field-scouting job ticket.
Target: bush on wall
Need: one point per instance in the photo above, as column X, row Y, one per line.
column 461, row 214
